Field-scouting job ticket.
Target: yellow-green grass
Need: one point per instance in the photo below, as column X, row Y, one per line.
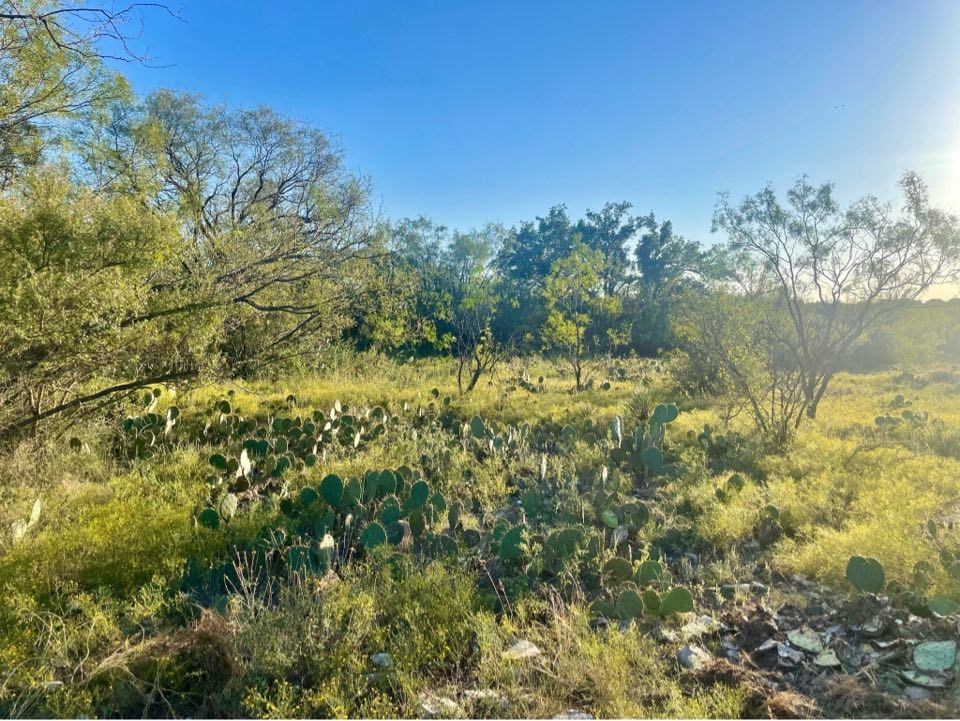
column 114, row 535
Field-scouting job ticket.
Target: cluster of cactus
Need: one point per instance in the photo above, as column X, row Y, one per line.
column 480, row 437
column 325, row 525
column 941, row 535
column 592, row 384
column 769, row 526
column 717, row 445
column 642, row 452
column 250, row 565
column 436, row 415
column 269, row 450
column 867, row 575
column 912, row 419
column 330, row 522
column 906, row 416
column 523, row 381
column 588, row 433
column 733, row 485
column 148, row 433
column 632, row 590
column 577, row 551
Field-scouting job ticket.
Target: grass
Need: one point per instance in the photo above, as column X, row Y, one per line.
column 96, row 620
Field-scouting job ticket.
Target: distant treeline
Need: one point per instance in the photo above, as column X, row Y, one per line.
column 639, row 268
column 642, row 264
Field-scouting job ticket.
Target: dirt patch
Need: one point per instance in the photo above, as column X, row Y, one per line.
column 765, row 695
column 848, row 696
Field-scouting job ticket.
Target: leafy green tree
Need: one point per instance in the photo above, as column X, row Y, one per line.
column 524, row 262
column 609, row 231
column 52, row 70
column 78, row 268
column 417, row 247
column 280, row 235
column 667, row 264
column 575, row 306
column 474, row 300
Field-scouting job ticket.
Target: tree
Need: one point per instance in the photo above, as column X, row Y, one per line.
column 51, row 69
column 575, row 305
column 524, row 261
column 609, row 230
column 818, row 278
column 667, row 264
column 77, row 267
column 421, row 323
column 473, row 293
column 279, row 233
column 729, row 353
column 265, row 254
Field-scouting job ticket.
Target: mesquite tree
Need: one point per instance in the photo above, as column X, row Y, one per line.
column 822, row 277
column 578, row 313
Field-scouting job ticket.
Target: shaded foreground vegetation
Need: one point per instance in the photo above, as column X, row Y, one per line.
column 124, row 596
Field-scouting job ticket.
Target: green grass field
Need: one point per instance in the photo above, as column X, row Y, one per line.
column 100, row 618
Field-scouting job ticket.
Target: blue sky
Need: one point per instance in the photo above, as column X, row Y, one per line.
column 494, row 111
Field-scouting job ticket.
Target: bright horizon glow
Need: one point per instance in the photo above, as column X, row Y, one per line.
column 469, row 113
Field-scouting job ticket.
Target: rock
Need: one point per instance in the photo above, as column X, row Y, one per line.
column 767, row 646
column 852, row 656
column 693, row 657
column 788, row 656
column 833, row 632
column 874, row 627
column 758, row 588
column 599, row 623
column 522, row 650
column 827, row 659
column 731, row 651
column 382, row 660
column 435, row 707
column 573, row 713
column 487, row 697
column 917, row 693
column 806, row 639
column 700, row 626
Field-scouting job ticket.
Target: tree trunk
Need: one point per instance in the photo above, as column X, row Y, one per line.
column 818, row 395
column 474, row 377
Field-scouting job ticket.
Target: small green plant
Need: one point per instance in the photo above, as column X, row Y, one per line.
column 149, row 433
column 866, row 574
column 642, row 453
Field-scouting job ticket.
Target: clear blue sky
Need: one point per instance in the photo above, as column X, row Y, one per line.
column 494, row 111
